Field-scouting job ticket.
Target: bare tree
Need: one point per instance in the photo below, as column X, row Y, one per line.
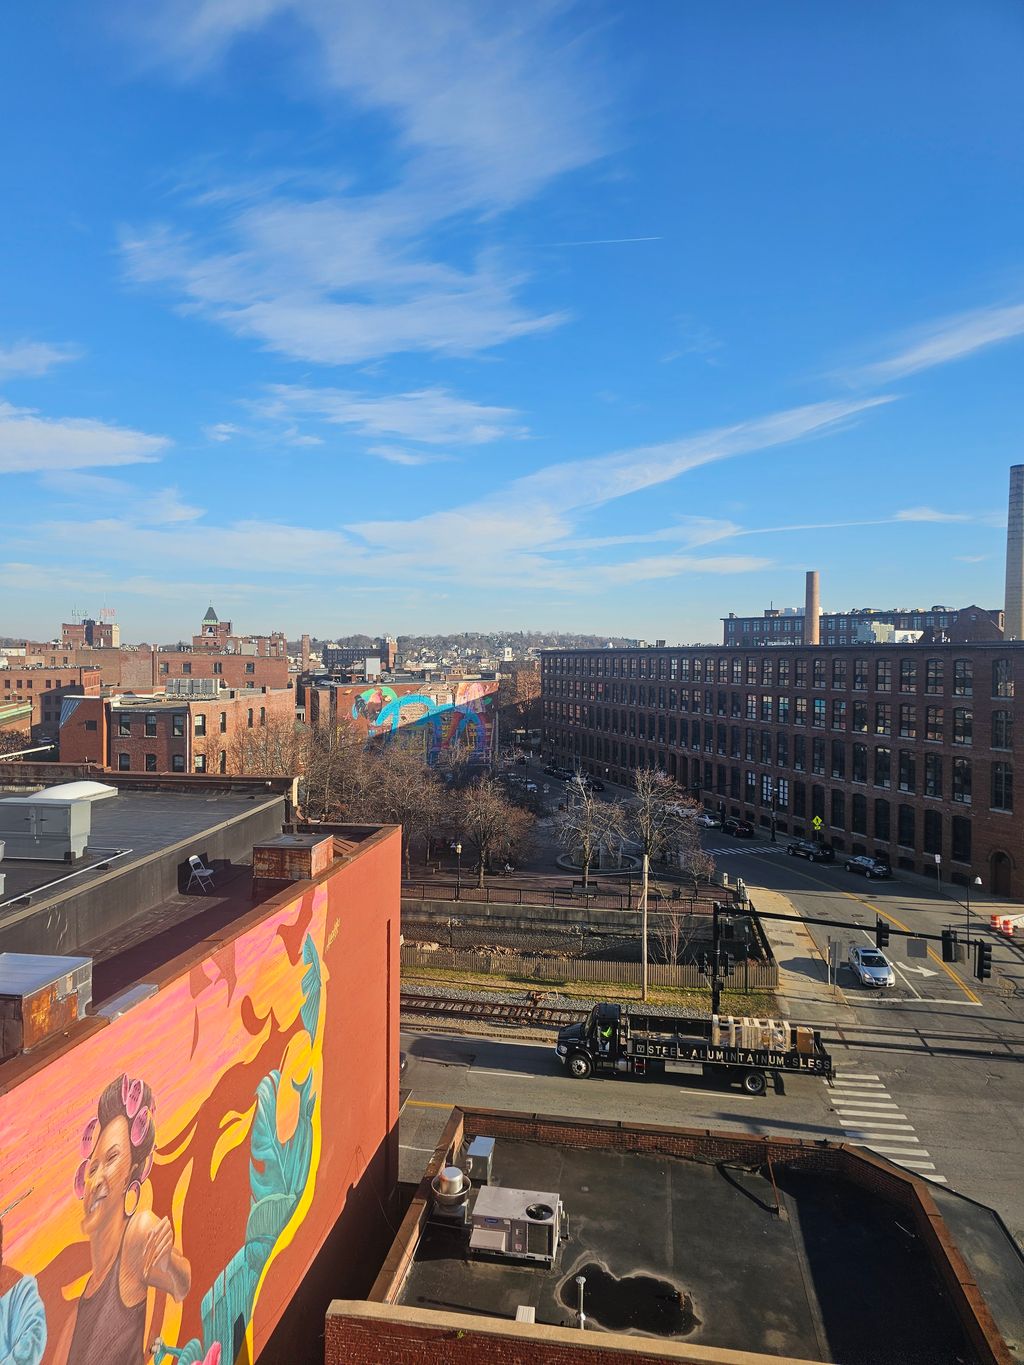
column 13, row 741
column 335, row 771
column 661, row 823
column 587, row 825
column 399, row 789
column 491, row 825
column 271, row 750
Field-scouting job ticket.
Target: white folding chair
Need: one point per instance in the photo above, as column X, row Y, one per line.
column 200, row 873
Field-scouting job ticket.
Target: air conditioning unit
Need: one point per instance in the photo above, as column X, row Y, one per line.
column 521, row 1224
column 40, row 995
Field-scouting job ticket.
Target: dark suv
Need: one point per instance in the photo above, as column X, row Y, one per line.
column 815, row 853
column 739, row 829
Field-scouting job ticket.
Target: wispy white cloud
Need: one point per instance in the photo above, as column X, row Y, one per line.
column 396, row 455
column 30, row 444
column 948, row 339
column 30, row 359
column 487, row 106
column 972, row 559
column 929, row 514
column 221, row 431
column 433, row 416
column 144, row 507
column 499, row 100
column 520, row 527
column 525, row 535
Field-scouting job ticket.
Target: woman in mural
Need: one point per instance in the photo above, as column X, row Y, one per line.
column 132, row 1249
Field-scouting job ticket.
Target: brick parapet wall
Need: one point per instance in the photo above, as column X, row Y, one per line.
column 382, row 1334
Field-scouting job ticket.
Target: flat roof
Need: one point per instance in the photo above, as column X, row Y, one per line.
column 125, row 829
column 692, row 1251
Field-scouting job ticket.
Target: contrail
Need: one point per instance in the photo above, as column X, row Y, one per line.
column 608, row 241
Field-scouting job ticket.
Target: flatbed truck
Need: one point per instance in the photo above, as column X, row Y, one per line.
column 621, row 1040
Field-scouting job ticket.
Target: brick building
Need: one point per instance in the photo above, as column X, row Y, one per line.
column 97, row 634
column 45, row 687
column 903, row 750
column 785, row 626
column 218, row 637
column 231, row 732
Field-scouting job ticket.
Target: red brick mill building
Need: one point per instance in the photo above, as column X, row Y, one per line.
column 906, row 750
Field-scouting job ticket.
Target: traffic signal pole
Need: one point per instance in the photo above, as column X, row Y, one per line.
column 883, row 930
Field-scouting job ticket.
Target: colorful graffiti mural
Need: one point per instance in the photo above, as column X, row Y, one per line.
column 143, row 1213
column 431, row 719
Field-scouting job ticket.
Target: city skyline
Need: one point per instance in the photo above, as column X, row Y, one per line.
column 605, row 320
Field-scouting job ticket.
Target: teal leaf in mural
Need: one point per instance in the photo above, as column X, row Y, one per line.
column 311, row 986
column 280, row 1167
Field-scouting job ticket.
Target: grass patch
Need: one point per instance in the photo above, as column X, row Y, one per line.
column 759, row 1003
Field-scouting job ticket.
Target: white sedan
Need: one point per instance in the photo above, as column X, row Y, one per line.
column 871, row 967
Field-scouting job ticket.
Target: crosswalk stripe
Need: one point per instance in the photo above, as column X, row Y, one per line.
column 859, row 1083
column 864, row 1115
column 868, row 1127
column 866, row 1106
column 939, row 1179
column 893, row 1151
column 916, row 1165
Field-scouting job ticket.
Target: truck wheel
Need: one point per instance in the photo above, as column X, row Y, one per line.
column 754, row 1082
column 580, row 1066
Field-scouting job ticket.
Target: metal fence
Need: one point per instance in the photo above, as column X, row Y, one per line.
column 659, row 898
column 744, row 976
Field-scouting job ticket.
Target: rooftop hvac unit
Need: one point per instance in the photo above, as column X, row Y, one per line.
column 521, row 1224
column 40, row 995
column 40, row 827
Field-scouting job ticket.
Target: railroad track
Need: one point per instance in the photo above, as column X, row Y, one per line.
column 507, row 1013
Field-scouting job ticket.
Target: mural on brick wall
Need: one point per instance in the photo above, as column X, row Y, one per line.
column 429, row 720
column 211, row 1120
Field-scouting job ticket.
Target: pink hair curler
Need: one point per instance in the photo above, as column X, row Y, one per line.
column 80, row 1181
column 90, row 1133
column 140, row 1127
column 132, row 1098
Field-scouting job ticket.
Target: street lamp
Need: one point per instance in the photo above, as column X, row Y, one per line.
column 458, row 871
column 773, row 794
column 971, row 881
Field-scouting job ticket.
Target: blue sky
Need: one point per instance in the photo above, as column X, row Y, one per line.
column 599, row 317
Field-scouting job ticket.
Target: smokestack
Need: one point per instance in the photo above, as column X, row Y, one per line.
column 812, row 610
column 1013, row 604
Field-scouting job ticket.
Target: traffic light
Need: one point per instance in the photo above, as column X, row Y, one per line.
column 983, row 962
column 881, row 934
column 949, row 945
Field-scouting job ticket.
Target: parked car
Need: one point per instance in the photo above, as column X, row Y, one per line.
column 522, row 760
column 871, row 967
column 551, row 770
column 868, row 867
column 531, row 786
column 739, row 829
column 706, row 820
column 815, row 853
column 596, row 785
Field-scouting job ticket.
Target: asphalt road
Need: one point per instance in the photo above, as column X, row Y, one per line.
column 957, row 1120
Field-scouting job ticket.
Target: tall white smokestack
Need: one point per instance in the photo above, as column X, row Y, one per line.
column 812, row 609
column 1013, row 604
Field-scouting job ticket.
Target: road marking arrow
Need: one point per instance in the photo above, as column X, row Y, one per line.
column 921, row 971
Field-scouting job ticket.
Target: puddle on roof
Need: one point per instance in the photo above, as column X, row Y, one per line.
column 634, row 1302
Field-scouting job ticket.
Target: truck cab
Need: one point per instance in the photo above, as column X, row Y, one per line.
column 593, row 1045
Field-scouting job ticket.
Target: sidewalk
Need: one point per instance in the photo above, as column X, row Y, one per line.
column 804, row 993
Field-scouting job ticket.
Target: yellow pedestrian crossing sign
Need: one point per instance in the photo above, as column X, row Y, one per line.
column 818, row 822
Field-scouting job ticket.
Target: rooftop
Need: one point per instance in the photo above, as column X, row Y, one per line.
column 826, row 1254
column 125, row 830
